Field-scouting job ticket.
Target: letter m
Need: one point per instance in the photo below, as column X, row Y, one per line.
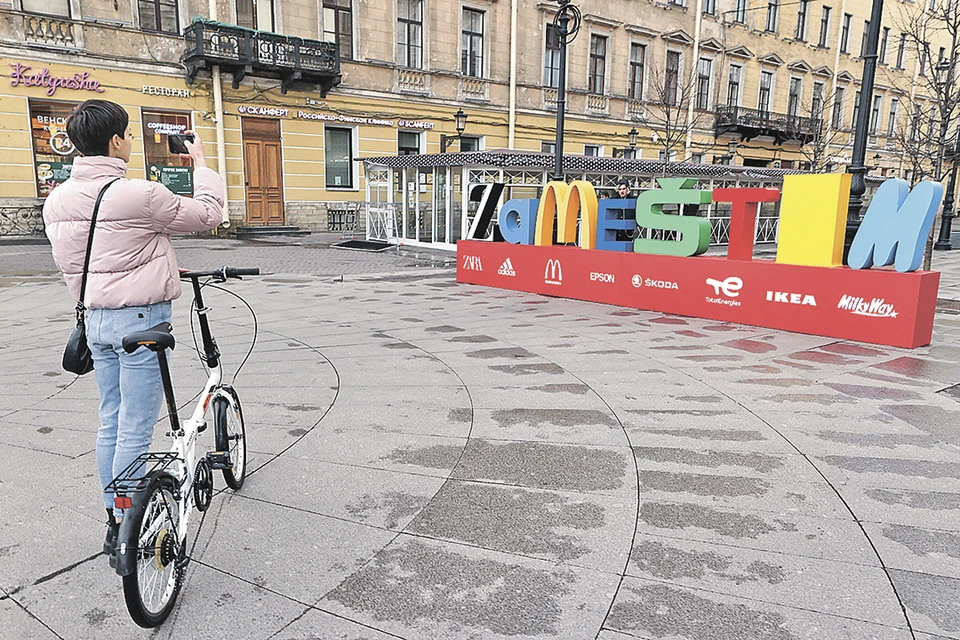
column 563, row 203
column 895, row 228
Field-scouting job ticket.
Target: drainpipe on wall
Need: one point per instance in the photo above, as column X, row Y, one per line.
column 693, row 79
column 512, row 125
column 218, row 114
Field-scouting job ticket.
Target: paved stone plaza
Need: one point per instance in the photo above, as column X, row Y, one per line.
column 435, row 461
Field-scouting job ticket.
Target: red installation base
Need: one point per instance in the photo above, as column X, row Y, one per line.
column 880, row 306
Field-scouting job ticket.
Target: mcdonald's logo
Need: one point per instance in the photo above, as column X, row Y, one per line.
column 553, row 273
column 565, row 203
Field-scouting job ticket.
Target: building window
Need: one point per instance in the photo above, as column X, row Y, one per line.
column 733, row 85
column 172, row 171
column 638, row 53
column 548, row 147
column 816, row 102
column 901, row 50
column 793, row 99
column 845, row 33
column 591, row 150
column 802, row 8
column 471, row 143
column 824, row 27
column 408, row 143
column 59, row 8
column 892, row 117
column 924, row 54
column 875, row 115
column 410, row 36
column 696, row 158
column 863, row 41
column 551, row 58
column 838, row 108
column 884, row 38
column 671, row 78
column 338, row 158
column 915, row 122
column 338, row 26
column 773, row 14
column 710, row 7
column 255, row 14
column 766, row 83
column 598, row 63
column 856, row 109
column 53, row 153
column 471, row 50
column 159, row 15
column 704, row 71
column 740, row 12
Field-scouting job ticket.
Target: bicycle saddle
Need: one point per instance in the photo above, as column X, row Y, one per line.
column 154, row 338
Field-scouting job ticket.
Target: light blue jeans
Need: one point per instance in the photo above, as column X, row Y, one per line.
column 131, row 392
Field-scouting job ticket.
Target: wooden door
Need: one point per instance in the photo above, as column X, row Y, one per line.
column 263, row 171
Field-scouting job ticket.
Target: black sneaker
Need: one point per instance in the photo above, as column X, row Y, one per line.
column 113, row 530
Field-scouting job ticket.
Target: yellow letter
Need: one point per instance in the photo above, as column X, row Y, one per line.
column 813, row 217
column 563, row 202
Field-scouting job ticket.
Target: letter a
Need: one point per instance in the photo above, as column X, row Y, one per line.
column 895, row 228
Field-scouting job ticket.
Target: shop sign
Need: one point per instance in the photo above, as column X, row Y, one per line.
column 166, row 128
column 414, row 124
column 21, row 74
column 53, row 150
column 255, row 110
column 806, row 290
column 151, row 90
column 280, row 112
column 178, row 179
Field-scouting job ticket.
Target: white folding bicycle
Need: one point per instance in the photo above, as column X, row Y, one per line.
column 157, row 491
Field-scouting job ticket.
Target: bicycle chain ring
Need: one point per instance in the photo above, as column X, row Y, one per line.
column 203, row 485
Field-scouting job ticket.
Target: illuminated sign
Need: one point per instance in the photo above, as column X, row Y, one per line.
column 21, row 74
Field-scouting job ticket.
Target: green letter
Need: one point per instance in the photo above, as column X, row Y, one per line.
column 694, row 232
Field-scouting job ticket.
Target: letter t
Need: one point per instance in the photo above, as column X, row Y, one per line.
column 743, row 217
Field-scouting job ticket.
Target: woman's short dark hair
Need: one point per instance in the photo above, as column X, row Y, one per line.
column 93, row 124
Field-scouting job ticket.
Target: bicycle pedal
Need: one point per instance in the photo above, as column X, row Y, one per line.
column 219, row 460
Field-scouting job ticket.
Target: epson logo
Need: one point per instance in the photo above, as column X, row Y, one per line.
column 791, row 298
column 602, row 277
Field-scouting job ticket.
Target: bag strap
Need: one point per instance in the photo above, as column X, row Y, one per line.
column 86, row 259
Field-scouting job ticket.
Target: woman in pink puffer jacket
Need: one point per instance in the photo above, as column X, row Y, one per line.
column 133, row 272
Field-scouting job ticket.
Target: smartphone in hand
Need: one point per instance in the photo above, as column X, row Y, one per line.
column 175, row 143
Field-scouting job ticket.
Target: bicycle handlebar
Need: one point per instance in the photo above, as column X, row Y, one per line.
column 221, row 274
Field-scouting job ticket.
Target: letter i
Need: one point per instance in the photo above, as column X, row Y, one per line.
column 769, row 296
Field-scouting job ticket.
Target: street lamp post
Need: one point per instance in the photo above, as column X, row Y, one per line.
column 943, row 241
column 632, row 136
column 566, row 24
column 858, row 184
column 459, row 123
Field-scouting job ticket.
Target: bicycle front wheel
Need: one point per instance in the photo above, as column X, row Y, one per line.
column 231, row 436
column 151, row 590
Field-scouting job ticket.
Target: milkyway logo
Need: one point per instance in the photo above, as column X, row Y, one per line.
column 876, row 308
column 730, row 287
column 506, row 269
column 472, row 263
column 553, row 273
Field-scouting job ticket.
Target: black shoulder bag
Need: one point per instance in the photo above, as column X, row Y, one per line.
column 77, row 357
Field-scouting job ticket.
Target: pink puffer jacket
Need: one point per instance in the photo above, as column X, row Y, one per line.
column 132, row 261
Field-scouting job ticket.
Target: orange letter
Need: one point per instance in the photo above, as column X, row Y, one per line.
column 563, row 202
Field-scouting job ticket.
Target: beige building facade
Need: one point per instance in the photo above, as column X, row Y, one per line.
column 291, row 95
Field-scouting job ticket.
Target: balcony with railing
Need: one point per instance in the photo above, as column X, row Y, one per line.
column 52, row 31
column 753, row 123
column 244, row 52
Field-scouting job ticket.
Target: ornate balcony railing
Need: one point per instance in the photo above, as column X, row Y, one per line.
column 412, row 80
column 474, row 88
column 244, row 52
column 751, row 123
column 51, row 31
column 598, row 104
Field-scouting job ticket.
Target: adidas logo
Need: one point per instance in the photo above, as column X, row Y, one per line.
column 506, row 269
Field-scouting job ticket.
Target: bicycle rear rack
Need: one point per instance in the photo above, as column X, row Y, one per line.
column 134, row 478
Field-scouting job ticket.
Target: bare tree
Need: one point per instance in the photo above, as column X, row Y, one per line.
column 933, row 35
column 818, row 149
column 915, row 138
column 671, row 92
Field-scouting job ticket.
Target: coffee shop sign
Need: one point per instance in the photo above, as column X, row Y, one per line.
column 21, row 74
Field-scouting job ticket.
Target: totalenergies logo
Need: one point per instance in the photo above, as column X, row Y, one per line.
column 813, row 213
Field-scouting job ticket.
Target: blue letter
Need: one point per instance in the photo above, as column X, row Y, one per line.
column 517, row 221
column 608, row 223
column 896, row 224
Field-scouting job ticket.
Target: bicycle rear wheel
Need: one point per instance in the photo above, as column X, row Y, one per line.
column 151, row 590
column 231, row 435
